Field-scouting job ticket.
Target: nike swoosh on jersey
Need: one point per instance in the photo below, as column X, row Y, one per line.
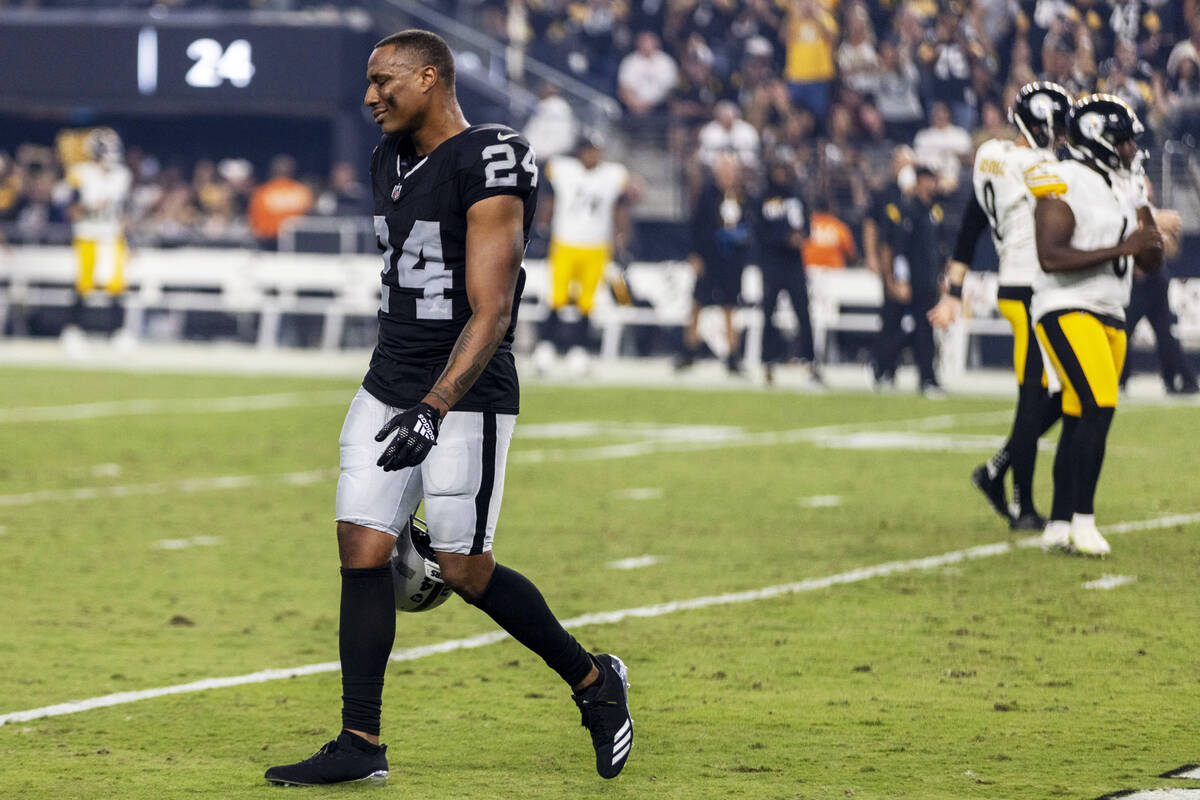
column 501, row 137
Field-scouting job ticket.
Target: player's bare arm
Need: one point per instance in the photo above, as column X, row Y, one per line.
column 1055, row 225
column 1150, row 259
column 494, row 248
column 950, row 305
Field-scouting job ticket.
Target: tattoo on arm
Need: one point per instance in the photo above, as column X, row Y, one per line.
column 468, row 359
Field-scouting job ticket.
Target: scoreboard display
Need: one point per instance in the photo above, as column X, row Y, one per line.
column 182, row 65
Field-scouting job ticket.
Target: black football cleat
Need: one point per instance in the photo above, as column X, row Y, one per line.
column 344, row 760
column 604, row 711
column 1029, row 521
column 993, row 490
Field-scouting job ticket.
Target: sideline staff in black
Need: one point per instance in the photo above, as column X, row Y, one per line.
column 918, row 251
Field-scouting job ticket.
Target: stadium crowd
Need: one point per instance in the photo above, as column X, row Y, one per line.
column 832, row 87
column 828, row 86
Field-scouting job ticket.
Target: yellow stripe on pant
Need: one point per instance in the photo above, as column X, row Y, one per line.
column 1088, row 354
column 1017, row 314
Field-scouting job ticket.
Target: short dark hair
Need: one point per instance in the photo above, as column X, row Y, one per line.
column 430, row 48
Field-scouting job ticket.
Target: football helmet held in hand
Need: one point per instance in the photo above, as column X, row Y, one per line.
column 416, row 576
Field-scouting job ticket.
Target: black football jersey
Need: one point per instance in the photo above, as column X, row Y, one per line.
column 421, row 223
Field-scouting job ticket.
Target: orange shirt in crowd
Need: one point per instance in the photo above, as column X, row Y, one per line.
column 276, row 200
column 829, row 244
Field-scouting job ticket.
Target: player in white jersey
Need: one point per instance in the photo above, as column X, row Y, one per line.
column 588, row 220
column 1002, row 202
column 102, row 186
column 1093, row 225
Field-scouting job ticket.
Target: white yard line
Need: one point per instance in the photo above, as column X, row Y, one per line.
column 1107, row 581
column 709, row 439
column 636, row 562
column 599, row 618
column 717, row 438
column 185, row 485
column 195, row 405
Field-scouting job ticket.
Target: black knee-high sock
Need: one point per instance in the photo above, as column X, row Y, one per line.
column 367, row 629
column 1051, row 411
column 1034, row 406
column 519, row 608
column 1064, row 490
column 1088, row 455
column 548, row 329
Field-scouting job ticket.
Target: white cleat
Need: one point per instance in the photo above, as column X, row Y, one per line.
column 544, row 358
column 74, row 342
column 1056, row 536
column 579, row 363
column 1087, row 540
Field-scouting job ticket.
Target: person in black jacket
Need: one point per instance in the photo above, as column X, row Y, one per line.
column 918, row 251
column 1148, row 299
column 720, row 244
column 780, row 228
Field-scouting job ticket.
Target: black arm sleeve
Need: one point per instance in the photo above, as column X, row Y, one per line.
column 974, row 222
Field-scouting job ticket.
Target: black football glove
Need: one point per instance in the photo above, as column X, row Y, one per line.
column 416, row 432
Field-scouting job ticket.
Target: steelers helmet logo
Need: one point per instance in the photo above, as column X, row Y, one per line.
column 1091, row 125
column 1041, row 106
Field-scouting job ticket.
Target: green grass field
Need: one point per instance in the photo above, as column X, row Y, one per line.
column 160, row 542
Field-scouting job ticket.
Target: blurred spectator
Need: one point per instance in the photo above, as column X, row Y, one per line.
column 1067, row 59
column 279, row 199
column 943, row 147
column 840, row 177
column 857, row 61
column 344, row 196
column 172, row 219
column 710, row 21
column 874, row 146
column 10, row 187
column 830, row 244
column 898, row 93
column 755, row 71
column 947, row 62
column 646, row 76
column 1186, row 50
column 720, row 245
column 552, row 128
column 698, row 90
column 811, row 34
column 993, row 124
column 768, row 109
column 1127, row 77
column 728, row 133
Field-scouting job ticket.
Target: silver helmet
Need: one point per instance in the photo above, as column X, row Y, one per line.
column 416, row 577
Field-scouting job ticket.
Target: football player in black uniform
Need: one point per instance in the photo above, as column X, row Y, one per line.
column 453, row 207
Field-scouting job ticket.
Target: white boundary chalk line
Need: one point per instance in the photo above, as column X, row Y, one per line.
column 190, row 405
column 599, row 618
column 716, row 439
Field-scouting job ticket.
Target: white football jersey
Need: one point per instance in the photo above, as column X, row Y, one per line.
column 1104, row 217
column 584, row 200
column 999, row 180
column 103, row 192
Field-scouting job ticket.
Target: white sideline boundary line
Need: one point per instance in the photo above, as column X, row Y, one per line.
column 196, row 405
column 599, row 618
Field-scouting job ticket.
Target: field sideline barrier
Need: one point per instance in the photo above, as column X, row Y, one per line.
column 341, row 287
